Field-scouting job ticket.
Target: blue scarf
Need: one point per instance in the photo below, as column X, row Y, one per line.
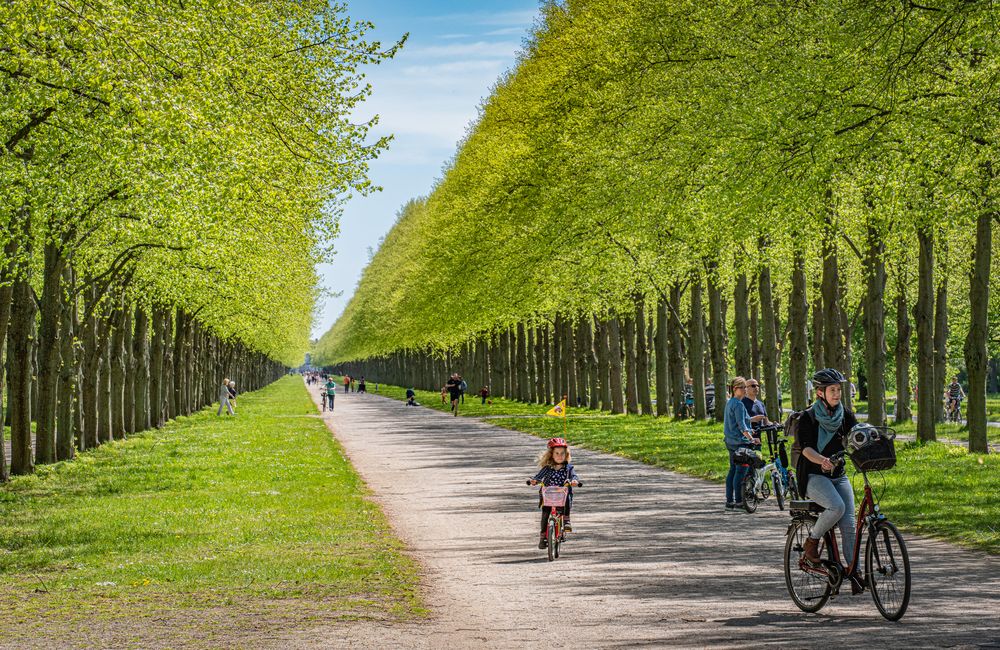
column 829, row 425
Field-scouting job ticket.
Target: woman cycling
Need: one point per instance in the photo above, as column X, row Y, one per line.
column 736, row 426
column 820, row 435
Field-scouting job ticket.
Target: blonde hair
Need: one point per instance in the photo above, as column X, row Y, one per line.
column 545, row 460
column 737, row 382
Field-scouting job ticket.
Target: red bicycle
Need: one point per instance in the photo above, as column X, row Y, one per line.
column 887, row 564
column 554, row 497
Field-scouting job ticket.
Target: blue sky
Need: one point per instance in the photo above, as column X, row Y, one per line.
column 426, row 97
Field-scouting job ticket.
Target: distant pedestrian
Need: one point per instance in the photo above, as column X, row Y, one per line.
column 362, row 387
column 484, row 392
column 462, row 386
column 224, row 398
column 411, row 397
column 331, row 393
column 454, row 390
column 232, row 394
column 347, row 384
column 353, row 382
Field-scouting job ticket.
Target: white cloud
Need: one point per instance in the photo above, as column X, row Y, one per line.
column 500, row 19
column 474, row 49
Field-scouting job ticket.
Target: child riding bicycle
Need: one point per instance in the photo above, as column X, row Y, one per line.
column 556, row 471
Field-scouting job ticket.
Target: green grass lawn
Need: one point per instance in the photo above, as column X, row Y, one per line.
column 206, row 513
column 935, row 489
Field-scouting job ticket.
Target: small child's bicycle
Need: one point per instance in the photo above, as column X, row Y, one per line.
column 554, row 497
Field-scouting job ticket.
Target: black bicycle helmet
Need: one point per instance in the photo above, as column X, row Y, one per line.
column 828, row 377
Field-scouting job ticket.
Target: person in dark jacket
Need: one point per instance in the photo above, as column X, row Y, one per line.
column 821, row 432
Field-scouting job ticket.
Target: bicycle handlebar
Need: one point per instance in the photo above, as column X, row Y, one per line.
column 566, row 484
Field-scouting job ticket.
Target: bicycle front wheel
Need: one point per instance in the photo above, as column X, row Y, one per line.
column 887, row 570
column 793, row 487
column 779, row 494
column 750, row 498
column 552, row 538
column 809, row 591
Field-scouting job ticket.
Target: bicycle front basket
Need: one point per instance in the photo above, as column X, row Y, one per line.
column 554, row 495
column 876, row 456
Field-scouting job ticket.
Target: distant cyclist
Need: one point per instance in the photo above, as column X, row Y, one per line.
column 955, row 395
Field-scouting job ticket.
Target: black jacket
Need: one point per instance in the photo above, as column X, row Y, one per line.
column 808, row 436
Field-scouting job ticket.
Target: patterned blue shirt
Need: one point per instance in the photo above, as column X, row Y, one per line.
column 552, row 476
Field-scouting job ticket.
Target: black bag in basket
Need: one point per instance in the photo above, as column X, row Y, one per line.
column 876, row 456
column 747, row 456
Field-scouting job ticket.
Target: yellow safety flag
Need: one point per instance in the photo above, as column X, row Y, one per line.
column 559, row 410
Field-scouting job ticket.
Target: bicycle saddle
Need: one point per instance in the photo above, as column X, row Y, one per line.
column 806, row 505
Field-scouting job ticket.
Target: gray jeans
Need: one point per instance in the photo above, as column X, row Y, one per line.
column 224, row 404
column 837, row 496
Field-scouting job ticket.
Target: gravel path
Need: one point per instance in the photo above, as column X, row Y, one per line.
column 654, row 561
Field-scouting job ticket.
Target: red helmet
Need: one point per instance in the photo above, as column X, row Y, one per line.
column 557, row 442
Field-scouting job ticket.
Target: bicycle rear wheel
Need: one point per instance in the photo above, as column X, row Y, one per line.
column 809, row 591
column 750, row 498
column 887, row 570
column 553, row 540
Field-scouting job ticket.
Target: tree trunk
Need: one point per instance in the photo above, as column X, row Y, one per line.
column 68, row 372
column 6, row 293
column 49, row 350
column 558, row 384
column 521, row 359
column 642, row 357
column 768, row 348
column 615, row 365
column 540, row 393
column 716, row 339
column 941, row 335
column 798, row 318
column 569, row 361
column 19, row 348
column 875, row 328
column 156, row 369
column 604, row 364
column 902, row 411
column 754, row 341
column 818, row 331
column 140, row 355
column 662, row 347
column 587, row 344
column 741, row 306
column 116, row 362
column 631, row 380
column 976, row 340
column 676, row 356
column 832, row 341
column 104, row 427
column 696, row 352
column 923, row 313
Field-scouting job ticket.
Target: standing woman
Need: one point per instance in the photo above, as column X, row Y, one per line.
column 738, row 434
column 821, row 432
column 232, row 394
column 224, row 398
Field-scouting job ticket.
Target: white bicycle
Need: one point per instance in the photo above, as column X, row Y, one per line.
column 761, row 480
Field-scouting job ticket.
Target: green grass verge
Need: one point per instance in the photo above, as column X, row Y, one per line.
column 206, row 512
column 935, row 489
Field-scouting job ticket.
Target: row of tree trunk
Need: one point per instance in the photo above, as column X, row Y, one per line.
column 608, row 361
column 85, row 366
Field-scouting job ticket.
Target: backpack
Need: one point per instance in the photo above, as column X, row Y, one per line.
column 463, row 386
column 792, row 432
